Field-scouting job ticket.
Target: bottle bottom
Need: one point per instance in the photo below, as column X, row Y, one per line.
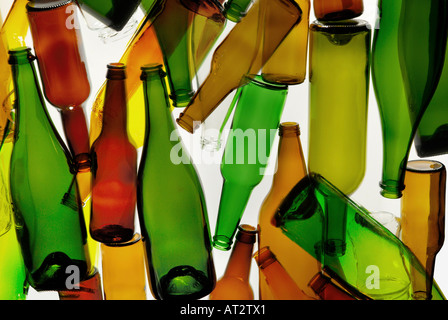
column 184, row 282
column 282, row 78
column 340, row 15
column 112, row 234
column 58, row 272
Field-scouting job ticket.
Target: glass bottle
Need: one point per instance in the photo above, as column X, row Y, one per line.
column 48, row 211
column 281, row 285
column 291, row 168
column 241, row 53
column 288, row 63
column 123, row 270
column 327, row 290
column 405, row 72
column 114, row 14
column 114, row 166
column 334, row 10
column 246, row 154
column 339, row 66
column 175, row 224
column 423, row 217
column 234, row 285
column 88, row 289
column 374, row 261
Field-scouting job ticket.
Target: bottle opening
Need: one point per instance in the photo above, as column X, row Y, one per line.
column 289, row 128
column 152, row 69
column 222, row 243
column 246, row 234
column 264, row 257
column 20, row 55
column 116, row 71
column 424, row 166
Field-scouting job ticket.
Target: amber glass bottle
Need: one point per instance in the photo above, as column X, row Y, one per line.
column 327, row 290
column 114, row 166
column 423, row 217
column 281, row 285
column 332, row 10
column 234, row 285
column 291, row 168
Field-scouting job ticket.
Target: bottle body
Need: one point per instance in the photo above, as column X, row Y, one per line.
column 50, row 223
column 423, row 217
column 176, row 231
column 246, row 154
column 339, row 65
column 234, row 285
column 334, row 10
column 114, row 167
column 291, row 168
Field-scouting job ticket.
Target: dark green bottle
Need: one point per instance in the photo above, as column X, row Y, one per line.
column 407, row 57
column 47, row 208
column 344, row 237
column 171, row 204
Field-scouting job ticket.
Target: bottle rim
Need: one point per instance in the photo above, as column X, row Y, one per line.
column 16, row 53
column 152, row 69
column 424, row 166
column 42, row 5
column 289, row 127
column 264, row 257
column 246, row 233
column 116, row 71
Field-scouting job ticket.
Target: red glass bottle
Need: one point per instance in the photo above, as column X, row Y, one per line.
column 114, row 166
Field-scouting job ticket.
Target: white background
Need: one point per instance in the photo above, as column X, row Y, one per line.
column 99, row 54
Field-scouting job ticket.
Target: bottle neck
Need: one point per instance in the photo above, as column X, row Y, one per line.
column 239, row 261
column 115, row 108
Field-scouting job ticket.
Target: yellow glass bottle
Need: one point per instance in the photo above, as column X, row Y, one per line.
column 234, row 285
column 281, row 285
column 123, row 268
column 423, row 218
column 291, row 168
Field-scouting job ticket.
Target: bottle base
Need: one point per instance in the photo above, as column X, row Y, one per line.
column 112, row 234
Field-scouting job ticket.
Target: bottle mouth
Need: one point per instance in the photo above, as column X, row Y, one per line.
column 20, row 55
column 264, row 257
column 152, row 69
column 391, row 191
column 222, row 243
column 424, row 166
column 116, row 71
column 246, row 234
column 288, row 128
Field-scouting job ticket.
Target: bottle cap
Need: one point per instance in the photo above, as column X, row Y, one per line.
column 264, row 257
column 246, row 234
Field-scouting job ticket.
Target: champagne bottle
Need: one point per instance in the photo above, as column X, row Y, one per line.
column 423, row 217
column 175, row 229
column 291, row 168
column 333, row 10
column 48, row 212
column 234, row 285
column 114, row 166
column 340, row 67
column 281, row 285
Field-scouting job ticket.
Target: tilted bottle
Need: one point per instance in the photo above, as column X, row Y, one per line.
column 246, row 154
column 240, row 54
column 114, row 166
column 289, row 62
column 340, row 67
column 423, row 217
column 234, row 284
column 88, row 289
column 171, row 205
column 291, row 168
column 334, row 10
column 326, row 289
column 48, row 211
column 405, row 72
column 280, row 283
column 372, row 260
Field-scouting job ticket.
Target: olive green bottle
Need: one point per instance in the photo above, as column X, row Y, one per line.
column 171, row 205
column 47, row 207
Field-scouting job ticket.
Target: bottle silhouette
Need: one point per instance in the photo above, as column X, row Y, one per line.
column 114, row 166
column 288, row 63
column 234, row 285
column 372, row 260
column 123, row 267
column 291, row 168
column 413, row 65
column 256, row 120
column 334, row 10
column 47, row 207
column 175, row 230
column 339, row 65
column 114, row 14
column 88, row 289
column 241, row 53
column 423, row 217
column 281, row 285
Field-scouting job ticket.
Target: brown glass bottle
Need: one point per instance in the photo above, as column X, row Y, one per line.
column 423, row 218
column 114, row 166
column 281, row 285
column 234, row 285
column 327, row 290
column 291, row 168
column 332, row 10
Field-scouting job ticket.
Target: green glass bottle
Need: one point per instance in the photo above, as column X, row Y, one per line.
column 339, row 68
column 47, row 207
column 255, row 123
column 367, row 257
column 171, row 205
column 407, row 57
